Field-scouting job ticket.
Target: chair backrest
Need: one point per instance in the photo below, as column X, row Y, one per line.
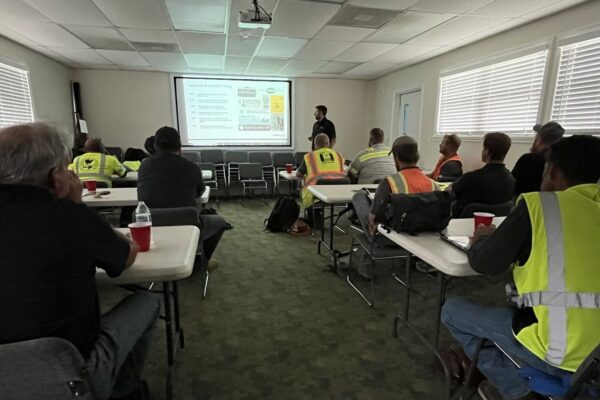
column 261, row 157
column 115, row 151
column 333, row 181
column 132, row 154
column 588, row 373
column 46, row 368
column 281, row 159
column 193, row 156
column 499, row 210
column 212, row 156
column 236, row 157
column 248, row 171
column 206, row 166
column 299, row 156
column 174, row 216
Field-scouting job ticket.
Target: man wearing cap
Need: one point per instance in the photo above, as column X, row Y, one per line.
column 529, row 168
column 373, row 163
column 449, row 166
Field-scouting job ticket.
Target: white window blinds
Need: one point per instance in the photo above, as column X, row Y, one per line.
column 577, row 97
column 15, row 99
column 501, row 97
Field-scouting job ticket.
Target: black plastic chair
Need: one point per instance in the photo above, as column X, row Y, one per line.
column 232, row 160
column 499, row 210
column 251, row 175
column 193, row 156
column 280, row 160
column 115, row 151
column 299, row 157
column 264, row 159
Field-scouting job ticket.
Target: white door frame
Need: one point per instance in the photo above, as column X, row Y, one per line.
column 396, row 96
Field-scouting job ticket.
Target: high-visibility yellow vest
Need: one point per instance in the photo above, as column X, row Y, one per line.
column 561, row 280
column 97, row 166
column 411, row 180
column 323, row 163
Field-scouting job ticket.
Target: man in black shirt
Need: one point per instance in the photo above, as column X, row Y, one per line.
column 51, row 246
column 529, row 168
column 492, row 184
column 167, row 180
column 323, row 125
column 573, row 166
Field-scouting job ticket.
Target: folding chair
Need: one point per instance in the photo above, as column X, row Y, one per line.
column 212, row 182
column 115, row 151
column 232, row 160
column 216, row 157
column 280, row 160
column 299, row 157
column 251, row 176
column 193, row 156
column 264, row 159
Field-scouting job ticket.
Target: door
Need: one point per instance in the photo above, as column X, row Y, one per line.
column 408, row 115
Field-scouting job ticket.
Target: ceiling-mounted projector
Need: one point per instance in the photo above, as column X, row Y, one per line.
column 254, row 19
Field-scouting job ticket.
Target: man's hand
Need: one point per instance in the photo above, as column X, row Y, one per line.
column 75, row 188
column 482, row 230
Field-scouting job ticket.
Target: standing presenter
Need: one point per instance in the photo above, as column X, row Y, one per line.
column 323, row 125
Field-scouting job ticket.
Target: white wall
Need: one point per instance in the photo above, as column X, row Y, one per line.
column 125, row 107
column 49, row 82
column 425, row 75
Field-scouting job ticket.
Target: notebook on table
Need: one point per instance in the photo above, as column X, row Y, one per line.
column 460, row 242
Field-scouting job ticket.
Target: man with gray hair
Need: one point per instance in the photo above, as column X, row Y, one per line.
column 51, row 246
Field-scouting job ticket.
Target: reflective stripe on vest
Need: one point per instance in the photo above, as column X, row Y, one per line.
column 96, row 175
column 440, row 164
column 374, row 154
column 409, row 181
column 315, row 169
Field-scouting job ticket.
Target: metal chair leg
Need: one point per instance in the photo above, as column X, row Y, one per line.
column 369, row 302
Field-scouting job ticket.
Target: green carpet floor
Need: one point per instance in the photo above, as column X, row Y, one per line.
column 275, row 325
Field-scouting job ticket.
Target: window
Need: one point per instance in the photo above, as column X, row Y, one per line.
column 15, row 100
column 577, row 97
column 501, row 97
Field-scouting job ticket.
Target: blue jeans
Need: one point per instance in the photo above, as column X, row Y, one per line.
column 469, row 322
column 115, row 364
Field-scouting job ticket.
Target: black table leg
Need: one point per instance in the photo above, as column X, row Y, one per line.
column 168, row 322
column 178, row 327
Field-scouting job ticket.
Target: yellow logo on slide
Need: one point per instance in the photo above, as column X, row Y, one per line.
column 277, row 104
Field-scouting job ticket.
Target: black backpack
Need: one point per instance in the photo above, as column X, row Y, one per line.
column 419, row 212
column 283, row 215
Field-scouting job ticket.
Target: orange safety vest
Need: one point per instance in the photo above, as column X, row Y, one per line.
column 441, row 162
column 410, row 180
column 321, row 164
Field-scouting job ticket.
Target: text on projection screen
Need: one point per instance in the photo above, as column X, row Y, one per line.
column 222, row 112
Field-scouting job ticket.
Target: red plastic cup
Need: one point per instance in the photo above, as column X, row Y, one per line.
column 288, row 168
column 141, row 232
column 483, row 218
column 90, row 186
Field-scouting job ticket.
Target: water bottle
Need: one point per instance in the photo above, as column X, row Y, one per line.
column 142, row 214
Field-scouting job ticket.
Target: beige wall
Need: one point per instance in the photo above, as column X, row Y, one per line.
column 49, row 82
column 126, row 107
column 425, row 75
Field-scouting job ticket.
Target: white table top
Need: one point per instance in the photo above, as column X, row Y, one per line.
column 441, row 255
column 335, row 194
column 205, row 196
column 133, row 176
column 206, row 174
column 171, row 257
column 290, row 176
column 124, row 197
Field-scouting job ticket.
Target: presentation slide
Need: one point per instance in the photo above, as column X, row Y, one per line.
column 215, row 112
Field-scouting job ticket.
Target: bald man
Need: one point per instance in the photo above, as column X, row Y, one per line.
column 95, row 165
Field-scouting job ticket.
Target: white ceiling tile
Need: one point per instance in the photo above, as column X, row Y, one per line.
column 71, row 12
column 239, row 46
column 279, row 46
column 129, row 58
column 101, row 38
column 17, row 37
column 407, row 26
column 46, row 34
column 371, row 69
column 301, row 67
column 81, row 56
column 165, row 60
column 149, row 35
column 53, row 55
column 344, row 33
column 236, row 64
column 386, row 4
column 100, row 66
column 300, row 19
column 205, row 61
column 198, row 15
column 17, row 10
column 551, row 9
column 203, row 43
column 363, row 52
column 456, row 29
column 403, row 53
column 266, row 65
column 336, row 67
column 449, row 6
column 511, row 8
column 322, row 50
column 148, row 14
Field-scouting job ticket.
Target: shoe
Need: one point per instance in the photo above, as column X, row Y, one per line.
column 212, row 265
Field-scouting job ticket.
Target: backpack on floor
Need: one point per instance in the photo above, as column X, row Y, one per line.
column 284, row 214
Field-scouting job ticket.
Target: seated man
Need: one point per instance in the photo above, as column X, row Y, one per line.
column 52, row 245
column 449, row 166
column 492, row 184
column 149, row 145
column 321, row 163
column 551, row 238
column 167, row 180
column 408, row 179
column 529, row 168
column 94, row 164
column 373, row 163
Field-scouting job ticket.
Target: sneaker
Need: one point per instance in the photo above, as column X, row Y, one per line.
column 212, row 265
